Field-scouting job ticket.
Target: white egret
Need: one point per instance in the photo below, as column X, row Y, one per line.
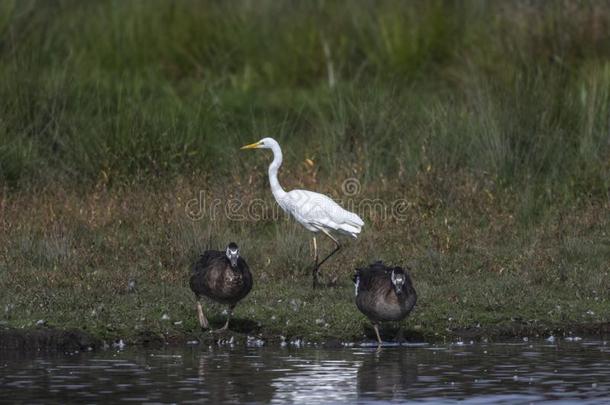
column 315, row 211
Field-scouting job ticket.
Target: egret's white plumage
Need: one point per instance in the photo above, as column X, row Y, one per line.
column 315, row 211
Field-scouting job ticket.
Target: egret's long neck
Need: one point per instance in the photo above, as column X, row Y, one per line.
column 276, row 189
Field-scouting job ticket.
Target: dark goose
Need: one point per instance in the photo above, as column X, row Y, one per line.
column 220, row 276
column 384, row 293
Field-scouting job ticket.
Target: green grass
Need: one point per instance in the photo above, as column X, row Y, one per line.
column 132, row 89
column 67, row 259
column 490, row 120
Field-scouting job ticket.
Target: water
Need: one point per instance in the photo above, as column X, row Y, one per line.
column 513, row 372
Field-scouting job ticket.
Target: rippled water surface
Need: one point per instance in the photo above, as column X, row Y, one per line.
column 518, row 372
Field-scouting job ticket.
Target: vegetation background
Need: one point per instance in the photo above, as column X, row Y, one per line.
column 488, row 121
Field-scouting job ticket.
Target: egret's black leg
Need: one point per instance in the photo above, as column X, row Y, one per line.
column 316, row 277
column 331, row 253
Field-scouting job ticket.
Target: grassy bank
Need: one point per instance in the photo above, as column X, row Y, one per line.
column 477, row 133
column 68, row 259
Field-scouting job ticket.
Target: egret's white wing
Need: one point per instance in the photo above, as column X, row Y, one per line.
column 315, row 210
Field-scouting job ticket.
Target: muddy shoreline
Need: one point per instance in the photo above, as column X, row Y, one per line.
column 57, row 340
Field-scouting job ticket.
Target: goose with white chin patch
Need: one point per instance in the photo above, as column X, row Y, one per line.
column 223, row 277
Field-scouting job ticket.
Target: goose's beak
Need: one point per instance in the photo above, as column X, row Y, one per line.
column 251, row 146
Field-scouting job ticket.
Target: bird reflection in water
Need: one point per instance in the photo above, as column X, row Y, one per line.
column 387, row 374
column 221, row 375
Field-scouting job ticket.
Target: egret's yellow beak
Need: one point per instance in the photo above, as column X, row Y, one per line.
column 251, row 146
